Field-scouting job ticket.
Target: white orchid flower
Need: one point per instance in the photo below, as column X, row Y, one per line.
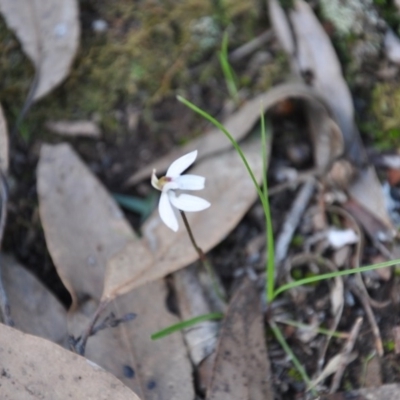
column 173, row 180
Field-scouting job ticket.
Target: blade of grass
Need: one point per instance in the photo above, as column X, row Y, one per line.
column 329, row 275
column 227, row 70
column 270, row 256
column 322, row 331
column 186, row 324
column 281, row 339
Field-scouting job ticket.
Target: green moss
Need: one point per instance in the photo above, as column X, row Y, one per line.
column 295, row 375
column 389, row 345
column 385, row 110
column 147, row 48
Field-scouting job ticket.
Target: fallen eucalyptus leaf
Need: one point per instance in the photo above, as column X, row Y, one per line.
column 49, row 33
column 153, row 369
column 34, row 368
column 84, row 228
column 387, row 392
column 241, row 369
column 240, row 123
column 83, row 225
column 4, row 146
column 34, row 309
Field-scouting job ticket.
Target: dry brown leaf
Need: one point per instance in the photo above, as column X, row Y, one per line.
column 241, row 369
column 239, row 125
column 34, row 368
column 316, row 55
column 84, row 228
column 83, row 225
column 49, row 33
column 74, row 128
column 385, row 392
column 367, row 191
column 4, row 146
column 153, row 369
column 33, row 308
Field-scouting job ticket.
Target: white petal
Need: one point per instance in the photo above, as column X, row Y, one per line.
column 187, row 202
column 154, row 180
column 182, row 163
column 166, row 212
column 190, row 182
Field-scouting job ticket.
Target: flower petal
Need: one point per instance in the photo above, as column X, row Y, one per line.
column 182, row 163
column 154, row 180
column 187, row 202
column 166, row 212
column 190, row 182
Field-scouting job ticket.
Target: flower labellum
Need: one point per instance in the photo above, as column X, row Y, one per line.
column 173, row 180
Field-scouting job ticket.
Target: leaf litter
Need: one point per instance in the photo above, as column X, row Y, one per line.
column 102, row 261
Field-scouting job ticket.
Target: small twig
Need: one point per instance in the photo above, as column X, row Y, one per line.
column 80, row 345
column 251, row 46
column 358, row 292
column 4, row 304
column 112, row 322
column 346, row 352
column 292, row 220
column 203, row 258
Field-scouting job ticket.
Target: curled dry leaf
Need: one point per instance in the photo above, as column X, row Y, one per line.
column 83, row 228
column 240, row 123
column 241, row 369
column 34, row 309
column 38, row 369
column 227, row 179
column 315, row 57
column 4, row 146
column 49, row 33
column 83, row 225
column 74, row 128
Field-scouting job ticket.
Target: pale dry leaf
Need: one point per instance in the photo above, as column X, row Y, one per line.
column 391, row 45
column 34, row 368
column 241, row 369
column 153, row 369
column 281, row 26
column 33, row 308
column 83, row 228
column 193, row 300
column 83, row 225
column 238, row 125
column 316, row 58
column 384, row 392
column 4, row 145
column 49, row 33
column 74, row 128
column 367, row 191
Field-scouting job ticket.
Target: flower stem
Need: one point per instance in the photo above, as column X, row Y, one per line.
column 203, row 258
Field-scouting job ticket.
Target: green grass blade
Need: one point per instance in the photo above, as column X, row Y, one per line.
column 227, row 70
column 186, row 324
column 329, row 275
column 281, row 339
column 270, row 247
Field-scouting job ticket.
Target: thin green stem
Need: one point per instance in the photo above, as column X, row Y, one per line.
column 270, row 256
column 203, row 258
column 289, row 352
column 329, row 275
column 186, row 324
column 322, row 331
column 227, row 70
